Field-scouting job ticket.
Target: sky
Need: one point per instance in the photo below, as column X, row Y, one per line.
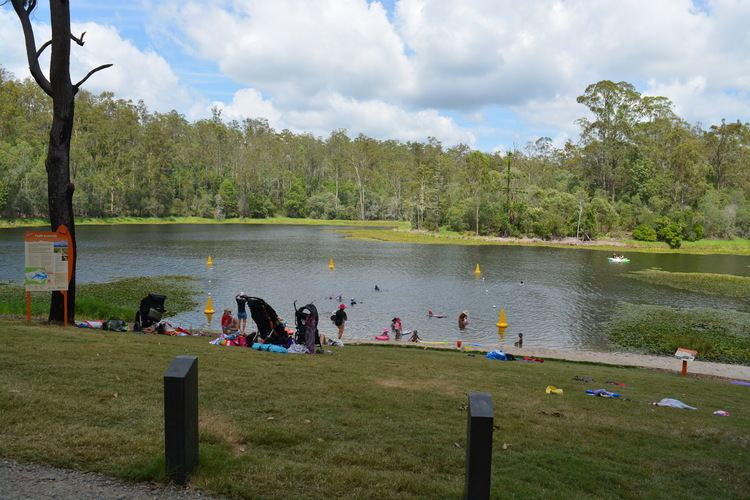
column 492, row 74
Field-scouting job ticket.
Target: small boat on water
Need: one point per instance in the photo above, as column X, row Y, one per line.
column 620, row 260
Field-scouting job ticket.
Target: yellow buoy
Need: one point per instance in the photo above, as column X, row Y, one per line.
column 331, row 264
column 502, row 323
column 477, row 271
column 209, row 306
column 209, row 262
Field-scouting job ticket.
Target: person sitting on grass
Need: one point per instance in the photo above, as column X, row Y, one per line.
column 226, row 320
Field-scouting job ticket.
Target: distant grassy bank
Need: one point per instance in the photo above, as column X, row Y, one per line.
column 725, row 285
column 116, row 299
column 366, row 422
column 85, row 221
column 401, row 235
column 717, row 335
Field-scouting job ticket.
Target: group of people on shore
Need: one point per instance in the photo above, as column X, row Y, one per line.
column 238, row 324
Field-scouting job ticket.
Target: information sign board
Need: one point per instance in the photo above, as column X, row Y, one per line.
column 685, row 354
column 48, row 260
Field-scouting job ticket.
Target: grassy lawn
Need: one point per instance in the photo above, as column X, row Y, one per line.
column 725, row 285
column 403, row 235
column 366, row 421
column 117, row 299
column 717, row 335
column 87, row 221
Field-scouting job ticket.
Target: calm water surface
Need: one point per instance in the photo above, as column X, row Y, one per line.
column 565, row 297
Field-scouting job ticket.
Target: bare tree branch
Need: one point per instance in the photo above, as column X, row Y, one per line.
column 23, row 8
column 98, row 68
column 79, row 41
column 41, row 49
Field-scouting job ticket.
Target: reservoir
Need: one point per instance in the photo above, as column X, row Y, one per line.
column 558, row 298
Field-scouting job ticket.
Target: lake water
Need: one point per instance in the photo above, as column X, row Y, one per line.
column 565, row 297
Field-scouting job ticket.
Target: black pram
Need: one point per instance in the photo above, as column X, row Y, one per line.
column 306, row 318
column 150, row 312
column 270, row 327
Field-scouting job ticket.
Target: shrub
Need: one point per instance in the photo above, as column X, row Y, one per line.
column 671, row 234
column 644, row 232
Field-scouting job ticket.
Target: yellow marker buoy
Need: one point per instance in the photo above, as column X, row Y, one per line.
column 209, row 262
column 209, row 306
column 331, row 264
column 501, row 321
column 477, row 271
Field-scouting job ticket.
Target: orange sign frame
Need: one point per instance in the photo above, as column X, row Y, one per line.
column 44, row 253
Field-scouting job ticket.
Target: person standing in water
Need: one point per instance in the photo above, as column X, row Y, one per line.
column 241, row 299
column 339, row 319
column 396, row 328
column 463, row 320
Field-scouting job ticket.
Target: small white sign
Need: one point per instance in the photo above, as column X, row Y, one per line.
column 685, row 354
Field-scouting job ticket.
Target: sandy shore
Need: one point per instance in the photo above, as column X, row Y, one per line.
column 738, row 372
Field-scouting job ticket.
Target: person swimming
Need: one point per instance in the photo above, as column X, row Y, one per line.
column 431, row 314
column 377, row 288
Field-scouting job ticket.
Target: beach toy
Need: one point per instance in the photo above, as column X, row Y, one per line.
column 209, row 262
column 477, row 271
column 331, row 264
column 385, row 336
column 722, row 413
column 551, row 389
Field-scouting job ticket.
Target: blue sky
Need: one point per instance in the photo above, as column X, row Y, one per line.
column 490, row 73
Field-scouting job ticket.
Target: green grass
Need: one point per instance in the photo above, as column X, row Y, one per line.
column 116, row 299
column 717, row 335
column 366, row 422
column 403, row 235
column 89, row 221
column 726, row 285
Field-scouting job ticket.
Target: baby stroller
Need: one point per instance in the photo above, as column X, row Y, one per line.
column 306, row 318
column 150, row 311
column 270, row 327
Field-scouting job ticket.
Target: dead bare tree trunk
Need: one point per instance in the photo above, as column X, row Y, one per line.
column 62, row 91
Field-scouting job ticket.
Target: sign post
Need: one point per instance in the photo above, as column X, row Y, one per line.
column 685, row 355
column 48, row 265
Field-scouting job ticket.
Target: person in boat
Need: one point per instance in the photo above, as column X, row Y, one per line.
column 396, row 328
column 463, row 319
column 377, row 288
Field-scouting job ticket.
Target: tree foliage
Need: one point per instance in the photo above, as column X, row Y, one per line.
column 636, row 163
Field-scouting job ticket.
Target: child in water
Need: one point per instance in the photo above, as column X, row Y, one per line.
column 396, row 327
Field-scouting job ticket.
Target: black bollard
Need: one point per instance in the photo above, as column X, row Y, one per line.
column 181, row 418
column 479, row 446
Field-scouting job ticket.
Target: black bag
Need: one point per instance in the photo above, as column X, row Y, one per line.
column 333, row 318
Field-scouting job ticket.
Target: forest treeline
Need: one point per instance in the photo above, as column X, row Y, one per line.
column 636, row 167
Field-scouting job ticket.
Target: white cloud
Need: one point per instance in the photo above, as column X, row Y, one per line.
column 136, row 74
column 329, row 111
column 296, row 48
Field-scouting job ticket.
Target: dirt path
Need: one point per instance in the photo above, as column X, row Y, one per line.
column 739, row 372
column 24, row 481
